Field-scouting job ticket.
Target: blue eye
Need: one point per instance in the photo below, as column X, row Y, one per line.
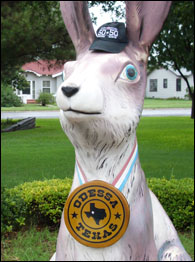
column 131, row 72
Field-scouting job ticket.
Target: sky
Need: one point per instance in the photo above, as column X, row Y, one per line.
column 102, row 17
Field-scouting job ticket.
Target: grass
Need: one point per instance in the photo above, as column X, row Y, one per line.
column 166, row 103
column 39, row 245
column 31, row 245
column 187, row 240
column 36, row 154
column 8, row 122
column 166, row 147
column 148, row 103
column 31, row 107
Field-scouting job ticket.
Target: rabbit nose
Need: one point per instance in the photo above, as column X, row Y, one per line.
column 69, row 91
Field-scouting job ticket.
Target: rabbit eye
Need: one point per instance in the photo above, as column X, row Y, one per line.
column 129, row 72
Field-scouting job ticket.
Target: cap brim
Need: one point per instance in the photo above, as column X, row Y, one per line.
column 107, row 46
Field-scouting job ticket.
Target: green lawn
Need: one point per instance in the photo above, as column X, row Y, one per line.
column 148, row 103
column 39, row 245
column 166, row 103
column 31, row 107
column 36, row 154
column 166, row 147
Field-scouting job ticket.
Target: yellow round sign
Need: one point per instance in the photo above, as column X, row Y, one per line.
column 96, row 214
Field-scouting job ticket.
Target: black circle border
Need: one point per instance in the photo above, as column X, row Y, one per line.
column 87, row 186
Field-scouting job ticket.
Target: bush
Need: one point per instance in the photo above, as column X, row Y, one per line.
column 45, row 98
column 177, row 198
column 187, row 96
column 43, row 202
column 13, row 211
column 34, row 202
column 8, row 122
column 8, row 98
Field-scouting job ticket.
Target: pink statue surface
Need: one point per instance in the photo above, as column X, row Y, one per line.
column 101, row 101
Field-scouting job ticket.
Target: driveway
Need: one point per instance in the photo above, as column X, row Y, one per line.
column 55, row 114
column 24, row 114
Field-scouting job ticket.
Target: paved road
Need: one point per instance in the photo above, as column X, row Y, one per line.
column 55, row 114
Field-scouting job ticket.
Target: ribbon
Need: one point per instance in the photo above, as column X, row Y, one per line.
column 122, row 177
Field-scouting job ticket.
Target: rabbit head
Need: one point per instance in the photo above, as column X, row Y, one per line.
column 100, row 97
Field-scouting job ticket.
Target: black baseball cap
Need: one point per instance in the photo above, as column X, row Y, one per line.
column 111, row 37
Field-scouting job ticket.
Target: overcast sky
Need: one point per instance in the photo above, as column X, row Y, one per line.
column 102, row 17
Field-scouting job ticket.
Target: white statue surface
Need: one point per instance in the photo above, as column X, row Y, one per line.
column 101, row 101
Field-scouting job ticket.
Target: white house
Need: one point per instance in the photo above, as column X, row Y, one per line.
column 47, row 77
column 43, row 77
column 162, row 83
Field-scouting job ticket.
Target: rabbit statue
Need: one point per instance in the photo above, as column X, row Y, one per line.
column 101, row 101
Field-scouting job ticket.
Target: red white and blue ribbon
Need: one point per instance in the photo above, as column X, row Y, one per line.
column 122, row 177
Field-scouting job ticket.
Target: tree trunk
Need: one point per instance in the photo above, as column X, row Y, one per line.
column 192, row 112
column 191, row 93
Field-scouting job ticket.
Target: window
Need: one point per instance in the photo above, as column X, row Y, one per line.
column 153, row 85
column 26, row 91
column 178, row 84
column 46, row 83
column 46, row 86
column 165, row 83
column 46, row 90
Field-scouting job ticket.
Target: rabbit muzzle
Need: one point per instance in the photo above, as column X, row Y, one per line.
column 93, row 86
column 94, row 97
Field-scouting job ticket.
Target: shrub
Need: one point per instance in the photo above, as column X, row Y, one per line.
column 43, row 202
column 8, row 122
column 13, row 211
column 187, row 96
column 177, row 198
column 8, row 98
column 36, row 202
column 45, row 98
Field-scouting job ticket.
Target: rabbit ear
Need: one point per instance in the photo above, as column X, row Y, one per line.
column 145, row 20
column 78, row 23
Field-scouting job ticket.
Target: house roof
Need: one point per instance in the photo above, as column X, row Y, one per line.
column 176, row 72
column 183, row 70
column 44, row 67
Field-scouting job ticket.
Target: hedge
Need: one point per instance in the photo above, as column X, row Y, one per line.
column 43, row 201
column 177, row 198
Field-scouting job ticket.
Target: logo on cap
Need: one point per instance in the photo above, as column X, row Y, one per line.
column 111, row 38
column 110, row 32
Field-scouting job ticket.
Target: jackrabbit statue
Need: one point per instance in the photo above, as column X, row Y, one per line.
column 110, row 214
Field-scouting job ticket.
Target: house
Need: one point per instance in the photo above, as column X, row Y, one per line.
column 162, row 83
column 43, row 77
column 47, row 77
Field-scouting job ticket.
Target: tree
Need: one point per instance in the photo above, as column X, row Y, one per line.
column 116, row 7
column 175, row 45
column 35, row 29
column 32, row 30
